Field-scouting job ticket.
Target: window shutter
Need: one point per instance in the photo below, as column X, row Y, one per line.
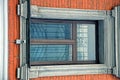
column 24, row 13
column 116, row 14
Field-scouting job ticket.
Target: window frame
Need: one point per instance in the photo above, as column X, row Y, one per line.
column 102, row 16
column 71, row 41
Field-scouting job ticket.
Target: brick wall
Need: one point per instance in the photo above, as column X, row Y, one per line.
column 80, row 4
column 14, row 29
column 80, row 77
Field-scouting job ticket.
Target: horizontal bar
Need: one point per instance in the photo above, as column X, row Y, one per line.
column 62, row 62
column 52, row 41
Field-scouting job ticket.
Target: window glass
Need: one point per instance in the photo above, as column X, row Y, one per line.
column 85, row 42
column 53, row 42
column 50, row 31
column 50, row 53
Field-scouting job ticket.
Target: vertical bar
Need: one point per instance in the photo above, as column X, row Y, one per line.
column 116, row 39
column 117, row 43
column 1, row 40
column 4, row 40
column 21, row 28
column 28, row 34
column 24, row 50
column 74, row 35
column 97, row 42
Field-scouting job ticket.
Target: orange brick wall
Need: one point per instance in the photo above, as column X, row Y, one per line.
column 14, row 25
column 80, row 4
column 80, row 77
column 14, row 32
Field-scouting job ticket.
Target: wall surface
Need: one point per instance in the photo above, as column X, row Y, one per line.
column 14, row 29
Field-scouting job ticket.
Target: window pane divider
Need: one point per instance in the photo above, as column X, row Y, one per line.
column 74, row 33
column 52, row 41
column 62, row 62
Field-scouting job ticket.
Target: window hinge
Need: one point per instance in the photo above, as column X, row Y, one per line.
column 18, row 10
column 22, row 9
column 22, row 73
column 113, row 13
column 18, row 41
column 18, row 73
column 114, row 71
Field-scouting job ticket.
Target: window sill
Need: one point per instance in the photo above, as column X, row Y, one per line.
column 62, row 70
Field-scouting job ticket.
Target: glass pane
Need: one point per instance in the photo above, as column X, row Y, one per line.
column 50, row 53
column 85, row 42
column 50, row 31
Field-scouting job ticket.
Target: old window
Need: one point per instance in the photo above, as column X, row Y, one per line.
column 63, row 42
column 58, row 41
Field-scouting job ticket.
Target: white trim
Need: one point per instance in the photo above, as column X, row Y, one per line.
column 117, row 39
column 67, row 13
column 4, row 40
column 1, row 39
column 60, row 70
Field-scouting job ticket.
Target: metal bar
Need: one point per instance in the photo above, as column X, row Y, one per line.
column 4, row 40
column 52, row 42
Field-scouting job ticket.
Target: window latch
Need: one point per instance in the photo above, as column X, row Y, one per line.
column 22, row 9
column 22, row 72
column 18, row 41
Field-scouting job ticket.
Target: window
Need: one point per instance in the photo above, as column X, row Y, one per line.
column 62, row 42
column 57, row 42
column 85, row 37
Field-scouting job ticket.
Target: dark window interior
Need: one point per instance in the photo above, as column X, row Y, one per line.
column 63, row 42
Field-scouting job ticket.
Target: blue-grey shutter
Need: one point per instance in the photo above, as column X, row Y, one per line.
column 116, row 14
